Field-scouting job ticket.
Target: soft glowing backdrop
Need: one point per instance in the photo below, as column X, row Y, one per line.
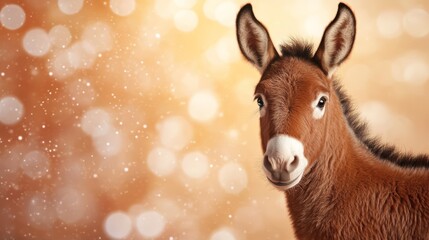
column 134, row 119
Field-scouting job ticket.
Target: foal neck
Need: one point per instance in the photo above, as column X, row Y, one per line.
column 321, row 187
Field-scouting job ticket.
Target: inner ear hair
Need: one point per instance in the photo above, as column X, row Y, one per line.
column 254, row 40
column 337, row 41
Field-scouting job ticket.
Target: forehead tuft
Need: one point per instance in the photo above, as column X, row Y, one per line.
column 298, row 49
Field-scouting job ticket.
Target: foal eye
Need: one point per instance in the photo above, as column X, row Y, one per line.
column 322, row 102
column 260, row 102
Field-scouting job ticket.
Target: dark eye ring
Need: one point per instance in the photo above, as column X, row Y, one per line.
column 259, row 101
column 322, row 102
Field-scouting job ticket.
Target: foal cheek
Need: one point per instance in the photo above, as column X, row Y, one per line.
column 265, row 132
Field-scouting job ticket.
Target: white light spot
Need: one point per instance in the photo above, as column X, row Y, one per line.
column 203, row 106
column 175, row 132
column 122, row 7
column 70, row 7
column 118, row 225
column 99, row 36
column 195, row 165
column 96, row 122
column 416, row 22
column 12, row 16
column 223, row 234
column 232, row 178
column 35, row 164
column 11, row 110
column 60, row 36
column 161, row 161
column 186, row 20
column 36, row 42
column 150, row 224
column 389, row 23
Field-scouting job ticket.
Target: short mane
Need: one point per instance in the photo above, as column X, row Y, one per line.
column 381, row 150
column 304, row 50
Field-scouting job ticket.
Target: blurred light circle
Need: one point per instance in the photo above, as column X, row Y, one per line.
column 99, row 36
column 175, row 132
column 81, row 55
column 389, row 23
column 71, row 205
column 11, row 110
column 203, row 106
column 118, row 225
column 195, row 165
column 35, row 164
column 225, row 13
column 12, row 16
column 60, row 36
column 209, row 8
column 416, row 71
column 411, row 68
column 416, row 22
column 40, row 212
column 222, row 234
column 36, row 42
column 161, row 161
column 109, row 144
column 165, row 9
column 60, row 66
column 243, row 91
column 70, row 7
column 96, row 122
column 150, row 224
column 232, row 178
column 186, row 20
column 226, row 50
column 122, row 7
column 185, row 3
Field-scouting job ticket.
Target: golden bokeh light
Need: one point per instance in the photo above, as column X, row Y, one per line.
column 134, row 119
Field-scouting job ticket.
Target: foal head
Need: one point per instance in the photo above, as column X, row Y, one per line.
column 295, row 92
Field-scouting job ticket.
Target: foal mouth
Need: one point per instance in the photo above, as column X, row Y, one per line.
column 284, row 184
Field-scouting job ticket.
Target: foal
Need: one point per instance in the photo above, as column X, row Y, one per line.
column 339, row 184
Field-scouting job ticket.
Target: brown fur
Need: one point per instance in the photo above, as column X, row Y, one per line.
column 348, row 191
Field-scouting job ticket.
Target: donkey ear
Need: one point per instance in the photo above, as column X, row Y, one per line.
column 253, row 38
column 337, row 41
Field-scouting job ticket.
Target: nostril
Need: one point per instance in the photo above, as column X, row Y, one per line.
column 292, row 165
column 267, row 164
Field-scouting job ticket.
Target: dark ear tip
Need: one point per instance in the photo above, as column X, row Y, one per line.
column 246, row 8
column 343, row 6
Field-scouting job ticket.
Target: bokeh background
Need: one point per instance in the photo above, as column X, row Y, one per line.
column 128, row 119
